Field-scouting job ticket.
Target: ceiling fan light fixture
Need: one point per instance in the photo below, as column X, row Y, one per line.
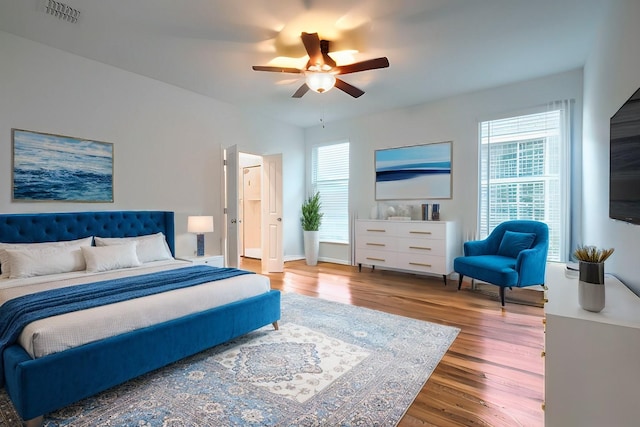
column 321, row 69
column 319, row 81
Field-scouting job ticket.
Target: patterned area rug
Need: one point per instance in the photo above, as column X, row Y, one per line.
column 329, row 364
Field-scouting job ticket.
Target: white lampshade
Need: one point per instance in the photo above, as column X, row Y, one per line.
column 200, row 224
column 319, row 81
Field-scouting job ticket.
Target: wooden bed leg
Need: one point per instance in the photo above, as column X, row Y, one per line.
column 34, row 422
column 275, row 325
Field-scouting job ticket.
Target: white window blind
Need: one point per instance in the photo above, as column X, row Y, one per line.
column 330, row 176
column 522, row 173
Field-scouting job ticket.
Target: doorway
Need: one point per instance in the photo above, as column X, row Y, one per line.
column 253, row 220
column 250, row 206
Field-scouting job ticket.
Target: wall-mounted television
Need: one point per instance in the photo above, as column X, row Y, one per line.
column 624, row 162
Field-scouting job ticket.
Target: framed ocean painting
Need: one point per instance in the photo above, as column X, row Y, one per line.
column 414, row 172
column 49, row 167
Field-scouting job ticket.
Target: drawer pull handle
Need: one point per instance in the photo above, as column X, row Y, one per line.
column 420, row 247
column 420, row 264
column 376, row 230
column 419, row 232
column 376, row 244
column 376, row 259
column 543, row 354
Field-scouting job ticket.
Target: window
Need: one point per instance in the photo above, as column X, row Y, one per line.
column 523, row 173
column 330, row 176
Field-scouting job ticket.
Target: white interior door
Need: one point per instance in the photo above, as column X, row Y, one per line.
column 231, row 205
column 272, row 249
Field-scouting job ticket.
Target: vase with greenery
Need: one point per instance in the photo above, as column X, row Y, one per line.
column 591, row 290
column 311, row 220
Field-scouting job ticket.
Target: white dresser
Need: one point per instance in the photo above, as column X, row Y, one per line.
column 416, row 246
column 592, row 360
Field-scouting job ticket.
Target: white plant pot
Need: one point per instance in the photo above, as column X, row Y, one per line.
column 311, row 246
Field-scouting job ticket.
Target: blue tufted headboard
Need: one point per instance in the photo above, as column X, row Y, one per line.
column 51, row 227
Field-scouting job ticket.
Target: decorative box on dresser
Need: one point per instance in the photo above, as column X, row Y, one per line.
column 416, row 246
column 592, row 360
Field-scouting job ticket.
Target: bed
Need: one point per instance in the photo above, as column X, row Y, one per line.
column 39, row 382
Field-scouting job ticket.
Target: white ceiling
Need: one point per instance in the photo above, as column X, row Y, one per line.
column 436, row 48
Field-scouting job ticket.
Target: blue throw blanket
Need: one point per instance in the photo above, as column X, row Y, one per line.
column 15, row 314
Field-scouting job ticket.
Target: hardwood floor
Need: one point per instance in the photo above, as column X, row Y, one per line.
column 492, row 374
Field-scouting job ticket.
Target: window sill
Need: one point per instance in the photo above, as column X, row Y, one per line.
column 335, row 242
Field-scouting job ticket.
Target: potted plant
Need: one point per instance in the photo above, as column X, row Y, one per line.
column 311, row 220
column 591, row 292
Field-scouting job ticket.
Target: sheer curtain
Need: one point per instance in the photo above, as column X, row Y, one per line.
column 572, row 181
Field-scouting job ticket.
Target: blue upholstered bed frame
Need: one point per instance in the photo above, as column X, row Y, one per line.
column 39, row 386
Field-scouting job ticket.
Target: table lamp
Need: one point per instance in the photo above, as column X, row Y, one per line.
column 200, row 225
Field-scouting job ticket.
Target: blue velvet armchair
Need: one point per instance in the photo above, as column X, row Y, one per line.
column 514, row 254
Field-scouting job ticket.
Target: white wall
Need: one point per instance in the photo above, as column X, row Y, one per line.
column 611, row 75
column 454, row 119
column 167, row 141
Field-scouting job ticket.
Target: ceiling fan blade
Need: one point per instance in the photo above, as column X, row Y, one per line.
column 301, row 91
column 370, row 64
column 311, row 43
column 276, row 69
column 350, row 89
column 324, row 49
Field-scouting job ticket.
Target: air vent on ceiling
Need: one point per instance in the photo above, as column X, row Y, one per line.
column 62, row 11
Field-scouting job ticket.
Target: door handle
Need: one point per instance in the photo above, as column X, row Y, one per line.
column 233, row 221
column 279, row 219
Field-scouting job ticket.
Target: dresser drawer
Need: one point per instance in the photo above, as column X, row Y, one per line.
column 376, row 257
column 376, row 242
column 422, row 263
column 375, row 228
column 421, row 246
column 421, row 229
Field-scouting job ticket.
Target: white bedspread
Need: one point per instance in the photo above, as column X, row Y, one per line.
column 69, row 330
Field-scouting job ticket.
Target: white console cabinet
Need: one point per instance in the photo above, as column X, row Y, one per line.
column 417, row 246
column 592, row 360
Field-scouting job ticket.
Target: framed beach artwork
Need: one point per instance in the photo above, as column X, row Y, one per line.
column 48, row 168
column 414, row 172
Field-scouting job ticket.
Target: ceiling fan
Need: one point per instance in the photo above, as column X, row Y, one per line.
column 321, row 70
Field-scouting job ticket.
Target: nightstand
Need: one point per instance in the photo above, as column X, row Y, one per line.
column 212, row 260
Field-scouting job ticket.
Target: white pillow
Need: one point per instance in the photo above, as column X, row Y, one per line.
column 41, row 262
column 5, row 267
column 105, row 258
column 152, row 247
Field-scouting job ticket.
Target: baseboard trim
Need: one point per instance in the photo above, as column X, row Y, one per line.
column 322, row 259
column 334, row 260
